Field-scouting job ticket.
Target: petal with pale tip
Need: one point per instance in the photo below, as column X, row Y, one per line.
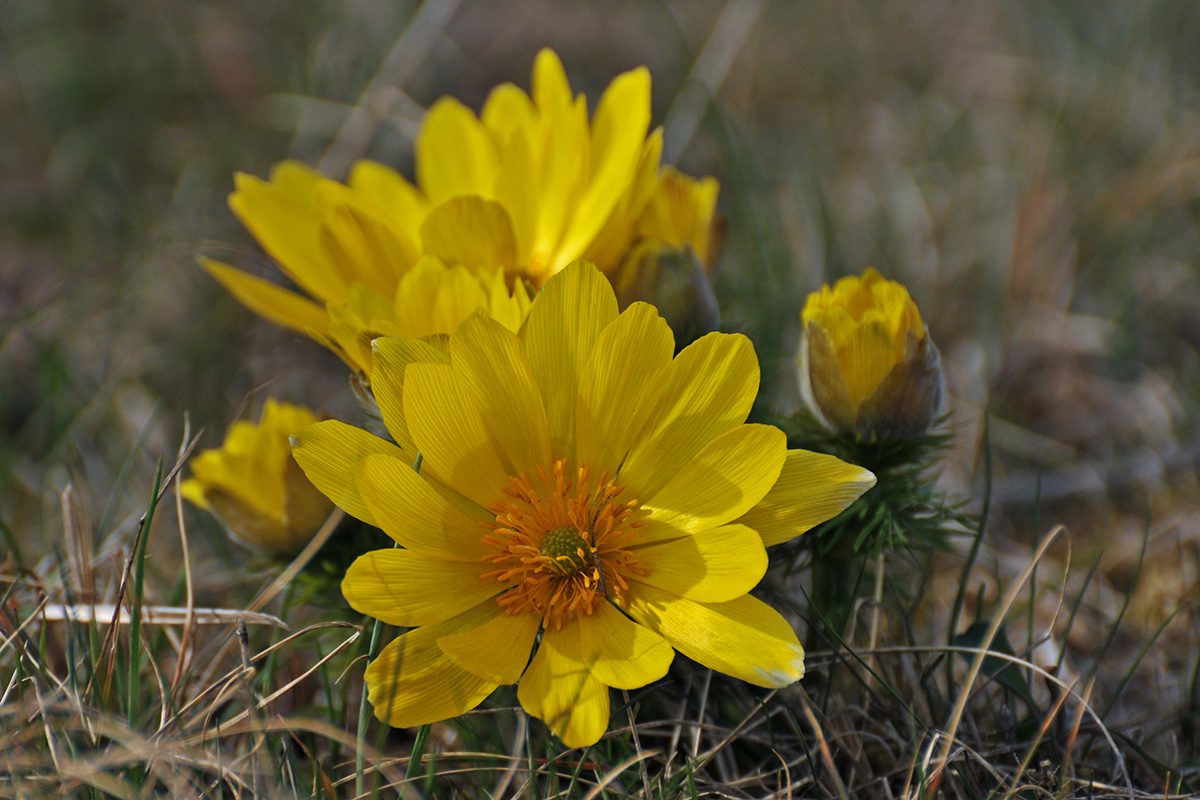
column 744, row 638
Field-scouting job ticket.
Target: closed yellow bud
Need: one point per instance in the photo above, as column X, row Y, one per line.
column 254, row 486
column 867, row 364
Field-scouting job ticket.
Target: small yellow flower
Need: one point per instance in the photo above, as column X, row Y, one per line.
column 867, row 364
column 253, row 485
column 579, row 487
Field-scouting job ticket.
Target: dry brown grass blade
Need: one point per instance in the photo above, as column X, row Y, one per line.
column 159, row 615
column 184, row 659
column 79, row 546
column 823, row 745
column 698, row 728
column 290, row 725
column 1010, row 596
column 234, row 673
column 1073, row 736
column 637, row 742
column 1050, row 677
column 1037, row 740
column 787, row 774
column 299, row 562
column 12, row 639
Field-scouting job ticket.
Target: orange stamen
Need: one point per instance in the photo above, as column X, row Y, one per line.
column 563, row 552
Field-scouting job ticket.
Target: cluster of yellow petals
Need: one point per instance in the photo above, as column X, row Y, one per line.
column 254, row 486
column 501, row 199
column 355, row 250
column 867, row 363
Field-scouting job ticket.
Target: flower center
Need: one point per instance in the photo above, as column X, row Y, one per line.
column 561, row 550
column 566, row 549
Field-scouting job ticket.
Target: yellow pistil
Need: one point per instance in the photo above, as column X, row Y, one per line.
column 565, row 551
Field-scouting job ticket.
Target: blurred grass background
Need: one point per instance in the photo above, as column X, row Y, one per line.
column 1031, row 170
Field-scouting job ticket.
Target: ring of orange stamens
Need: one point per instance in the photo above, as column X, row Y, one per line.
column 563, row 552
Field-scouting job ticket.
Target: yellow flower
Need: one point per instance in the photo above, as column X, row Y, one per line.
column 867, row 364
column 355, row 250
column 576, row 482
column 253, row 485
column 523, row 189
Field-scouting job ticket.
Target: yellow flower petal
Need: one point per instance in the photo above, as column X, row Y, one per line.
column 412, row 682
column 416, row 515
column 867, row 354
column 713, row 565
column 622, row 119
column 446, row 427
column 707, row 391
column 496, row 651
column 564, row 325
column 618, row 387
column 394, row 196
column 616, row 651
column 434, row 298
column 455, row 154
column 822, row 384
column 564, row 174
column 353, row 324
column 615, row 237
column 295, row 177
column 519, row 189
column 564, row 695
column 364, row 246
column 471, row 231
column 812, row 488
column 744, row 638
column 725, row 479
column 285, row 224
column 329, row 451
column 268, row 300
column 509, row 309
column 490, row 362
column 193, row 491
column 391, row 357
column 551, row 92
column 404, row 587
column 507, row 110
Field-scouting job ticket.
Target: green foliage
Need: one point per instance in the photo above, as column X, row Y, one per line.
column 902, row 513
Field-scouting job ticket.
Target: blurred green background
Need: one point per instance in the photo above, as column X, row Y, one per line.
column 1031, row 170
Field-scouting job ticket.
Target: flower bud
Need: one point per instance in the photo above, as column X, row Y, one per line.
column 677, row 241
column 867, row 364
column 674, row 281
column 255, row 488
